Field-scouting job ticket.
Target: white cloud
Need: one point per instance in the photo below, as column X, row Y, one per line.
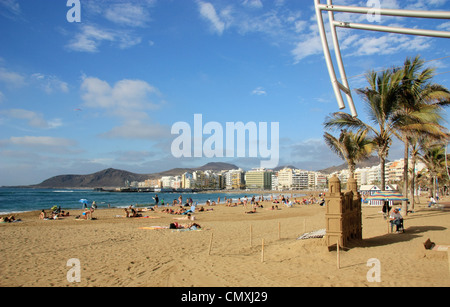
column 33, row 119
column 389, row 44
column 137, row 129
column 259, row 91
column 41, row 142
column 312, row 45
column 50, row 83
column 12, row 79
column 90, row 38
column 128, row 14
column 128, row 100
column 253, row 3
column 124, row 95
column 12, row 6
column 218, row 22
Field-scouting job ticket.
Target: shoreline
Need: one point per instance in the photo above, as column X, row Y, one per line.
column 101, row 203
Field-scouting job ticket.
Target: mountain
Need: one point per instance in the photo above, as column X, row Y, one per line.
column 371, row 161
column 107, row 178
column 116, row 178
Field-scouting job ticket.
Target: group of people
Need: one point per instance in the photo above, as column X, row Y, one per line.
column 54, row 214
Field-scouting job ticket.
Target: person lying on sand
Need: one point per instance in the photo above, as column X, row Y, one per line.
column 274, row 208
column 10, row 219
column 252, row 211
column 192, row 226
column 186, row 217
column 133, row 213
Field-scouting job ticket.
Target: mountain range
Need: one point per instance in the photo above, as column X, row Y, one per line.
column 116, row 178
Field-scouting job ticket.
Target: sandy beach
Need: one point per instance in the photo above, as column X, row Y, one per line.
column 226, row 252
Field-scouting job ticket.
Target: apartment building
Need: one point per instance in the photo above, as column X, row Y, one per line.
column 258, row 179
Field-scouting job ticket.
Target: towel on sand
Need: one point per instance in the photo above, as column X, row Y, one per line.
column 313, row 234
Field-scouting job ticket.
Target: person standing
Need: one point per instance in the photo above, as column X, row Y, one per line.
column 432, row 202
column 156, row 200
column 386, row 209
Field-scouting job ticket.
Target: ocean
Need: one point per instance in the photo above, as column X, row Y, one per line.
column 16, row 200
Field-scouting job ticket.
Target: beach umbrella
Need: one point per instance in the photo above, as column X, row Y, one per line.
column 387, row 195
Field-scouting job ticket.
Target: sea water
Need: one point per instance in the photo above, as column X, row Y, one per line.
column 16, row 200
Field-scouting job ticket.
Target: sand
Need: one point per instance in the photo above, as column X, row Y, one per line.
column 115, row 251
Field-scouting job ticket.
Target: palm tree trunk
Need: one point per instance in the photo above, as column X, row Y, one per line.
column 405, row 175
column 413, row 181
column 383, row 171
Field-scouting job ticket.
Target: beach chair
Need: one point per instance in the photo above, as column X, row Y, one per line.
column 400, row 227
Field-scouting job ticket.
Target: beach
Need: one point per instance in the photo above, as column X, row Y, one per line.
column 225, row 252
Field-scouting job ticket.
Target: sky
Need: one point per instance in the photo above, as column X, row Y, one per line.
column 80, row 97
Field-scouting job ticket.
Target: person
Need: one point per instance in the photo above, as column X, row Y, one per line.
column 156, row 200
column 10, row 219
column 251, row 211
column 322, row 202
column 133, row 212
column 396, row 219
column 87, row 213
column 432, row 202
column 386, row 209
column 193, row 226
column 43, row 215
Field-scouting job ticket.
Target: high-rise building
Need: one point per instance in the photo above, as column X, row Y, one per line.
column 258, row 179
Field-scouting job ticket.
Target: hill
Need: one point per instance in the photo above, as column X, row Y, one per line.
column 116, row 178
column 371, row 161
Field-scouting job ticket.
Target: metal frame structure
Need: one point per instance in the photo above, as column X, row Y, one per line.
column 343, row 86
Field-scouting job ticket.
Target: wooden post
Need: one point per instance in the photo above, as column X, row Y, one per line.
column 210, row 243
column 448, row 255
column 279, row 231
column 262, row 251
column 338, row 260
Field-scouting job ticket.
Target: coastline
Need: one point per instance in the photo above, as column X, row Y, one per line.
column 18, row 200
column 117, row 251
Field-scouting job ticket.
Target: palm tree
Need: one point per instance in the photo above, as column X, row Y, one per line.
column 423, row 103
column 381, row 101
column 351, row 147
column 416, row 143
column 433, row 155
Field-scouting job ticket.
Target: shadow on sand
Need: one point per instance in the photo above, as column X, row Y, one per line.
column 392, row 238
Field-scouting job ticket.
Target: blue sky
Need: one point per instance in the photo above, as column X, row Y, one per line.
column 76, row 98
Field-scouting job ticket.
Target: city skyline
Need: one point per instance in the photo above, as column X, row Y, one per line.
column 104, row 92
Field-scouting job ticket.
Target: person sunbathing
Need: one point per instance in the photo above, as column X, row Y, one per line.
column 133, row 213
column 251, row 211
column 192, row 226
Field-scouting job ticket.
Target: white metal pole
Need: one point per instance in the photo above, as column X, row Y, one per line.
column 386, row 12
column 420, row 32
column 338, row 54
column 326, row 50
